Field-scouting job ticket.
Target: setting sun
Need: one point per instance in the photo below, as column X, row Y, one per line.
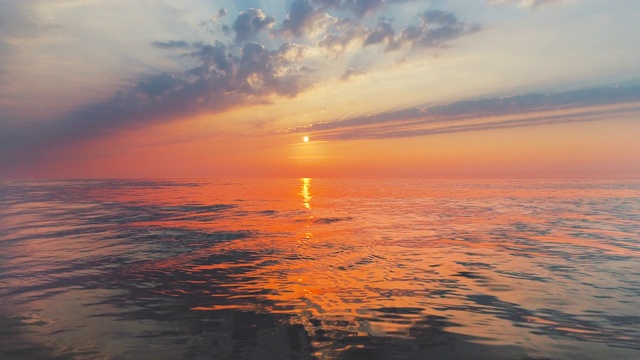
column 305, row 139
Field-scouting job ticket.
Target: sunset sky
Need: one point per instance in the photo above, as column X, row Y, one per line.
column 383, row 88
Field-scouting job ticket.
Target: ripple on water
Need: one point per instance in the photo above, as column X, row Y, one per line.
column 94, row 269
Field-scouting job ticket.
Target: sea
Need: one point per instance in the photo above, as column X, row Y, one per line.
column 320, row 269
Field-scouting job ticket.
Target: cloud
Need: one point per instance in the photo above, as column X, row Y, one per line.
column 463, row 115
column 384, row 33
column 226, row 75
column 264, row 72
column 380, row 118
column 351, row 73
column 212, row 24
column 173, row 44
column 334, row 45
column 289, row 53
column 159, row 85
column 414, row 130
column 220, row 81
column 436, row 28
column 304, row 20
column 251, row 22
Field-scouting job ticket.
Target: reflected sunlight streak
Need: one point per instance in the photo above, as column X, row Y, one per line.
column 305, row 192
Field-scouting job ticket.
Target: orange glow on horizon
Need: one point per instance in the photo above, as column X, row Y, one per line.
column 592, row 149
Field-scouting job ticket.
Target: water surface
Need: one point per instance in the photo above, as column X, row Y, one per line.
column 328, row 269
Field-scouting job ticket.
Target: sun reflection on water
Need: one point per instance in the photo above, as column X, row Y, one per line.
column 386, row 268
column 305, row 192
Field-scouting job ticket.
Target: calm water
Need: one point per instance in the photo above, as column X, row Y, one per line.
column 328, row 269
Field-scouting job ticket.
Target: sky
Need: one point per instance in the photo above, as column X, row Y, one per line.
column 382, row 88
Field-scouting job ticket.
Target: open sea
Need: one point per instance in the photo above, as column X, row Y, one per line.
column 319, row 269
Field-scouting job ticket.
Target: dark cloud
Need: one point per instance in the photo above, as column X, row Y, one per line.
column 251, row 22
column 439, row 17
column 215, row 60
column 221, row 81
column 256, row 71
column 160, row 85
column 384, row 33
column 454, row 117
column 305, row 20
column 227, row 75
column 436, row 28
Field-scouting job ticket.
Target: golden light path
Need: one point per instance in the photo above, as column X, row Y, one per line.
column 305, row 193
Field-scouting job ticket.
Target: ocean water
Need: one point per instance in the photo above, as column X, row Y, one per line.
column 319, row 268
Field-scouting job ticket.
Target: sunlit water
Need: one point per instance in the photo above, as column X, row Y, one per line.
column 328, row 269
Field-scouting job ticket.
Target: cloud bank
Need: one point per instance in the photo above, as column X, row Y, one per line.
column 234, row 69
column 252, row 57
column 482, row 114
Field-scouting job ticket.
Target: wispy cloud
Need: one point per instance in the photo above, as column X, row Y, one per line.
column 220, row 81
column 482, row 114
column 435, row 29
column 235, row 70
column 172, row 44
column 344, row 35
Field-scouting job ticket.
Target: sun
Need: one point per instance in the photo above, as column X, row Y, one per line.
column 305, row 139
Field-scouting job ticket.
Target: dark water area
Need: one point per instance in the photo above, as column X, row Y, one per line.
column 319, row 269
